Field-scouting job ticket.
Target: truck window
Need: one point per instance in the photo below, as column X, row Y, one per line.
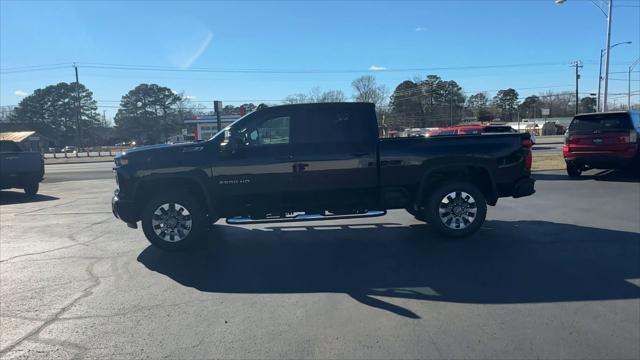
column 635, row 117
column 333, row 125
column 8, row 146
column 274, row 130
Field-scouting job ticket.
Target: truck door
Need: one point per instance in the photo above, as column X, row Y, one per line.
column 335, row 153
column 252, row 179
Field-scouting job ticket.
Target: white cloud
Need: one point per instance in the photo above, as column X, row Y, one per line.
column 173, row 91
column 420, row 28
column 196, row 55
column 20, row 93
column 377, row 68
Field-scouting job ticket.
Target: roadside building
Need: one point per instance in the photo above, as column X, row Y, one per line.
column 27, row 140
column 203, row 127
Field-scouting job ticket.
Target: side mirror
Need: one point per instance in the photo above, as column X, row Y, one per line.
column 231, row 143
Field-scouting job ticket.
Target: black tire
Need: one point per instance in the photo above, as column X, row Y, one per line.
column 31, row 188
column 176, row 204
column 458, row 224
column 573, row 170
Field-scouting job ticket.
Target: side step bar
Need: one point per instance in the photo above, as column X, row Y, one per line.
column 302, row 217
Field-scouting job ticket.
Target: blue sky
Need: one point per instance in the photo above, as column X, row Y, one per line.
column 353, row 36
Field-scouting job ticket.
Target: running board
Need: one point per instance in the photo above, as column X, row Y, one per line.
column 302, row 217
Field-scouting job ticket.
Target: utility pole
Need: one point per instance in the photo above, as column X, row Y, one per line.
column 104, row 118
column 629, row 83
column 216, row 109
column 606, row 66
column 598, row 104
column 577, row 64
column 77, row 108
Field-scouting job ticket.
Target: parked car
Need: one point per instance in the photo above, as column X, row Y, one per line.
column 478, row 129
column 316, row 161
column 601, row 141
column 20, row 169
column 69, row 149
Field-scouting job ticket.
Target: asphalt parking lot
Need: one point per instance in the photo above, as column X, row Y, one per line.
column 554, row 275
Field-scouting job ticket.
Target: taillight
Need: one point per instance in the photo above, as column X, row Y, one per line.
column 632, row 138
column 528, row 156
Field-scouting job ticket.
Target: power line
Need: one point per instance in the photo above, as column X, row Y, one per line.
column 34, row 69
column 126, row 67
column 35, row 66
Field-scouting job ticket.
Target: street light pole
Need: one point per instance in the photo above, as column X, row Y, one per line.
column 606, row 66
column 602, row 51
column 609, row 16
column 629, row 83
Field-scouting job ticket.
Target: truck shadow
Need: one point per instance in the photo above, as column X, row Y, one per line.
column 504, row 263
column 15, row 197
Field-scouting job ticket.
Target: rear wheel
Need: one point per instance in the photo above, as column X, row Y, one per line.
column 31, row 188
column 456, row 210
column 173, row 221
column 573, row 170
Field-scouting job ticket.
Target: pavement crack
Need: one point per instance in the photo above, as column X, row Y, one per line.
column 86, row 292
column 72, row 237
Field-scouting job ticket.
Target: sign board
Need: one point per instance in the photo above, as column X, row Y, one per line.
column 545, row 112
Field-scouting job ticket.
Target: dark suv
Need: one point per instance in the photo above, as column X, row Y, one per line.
column 601, row 141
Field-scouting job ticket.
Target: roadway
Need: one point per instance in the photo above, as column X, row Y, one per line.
column 78, row 171
column 554, row 275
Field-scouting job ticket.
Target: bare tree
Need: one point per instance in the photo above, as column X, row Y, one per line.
column 296, row 99
column 332, row 96
column 316, row 95
column 367, row 90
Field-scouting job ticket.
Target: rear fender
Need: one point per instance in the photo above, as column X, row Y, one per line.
column 466, row 170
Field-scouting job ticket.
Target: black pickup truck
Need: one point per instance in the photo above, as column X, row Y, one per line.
column 20, row 169
column 316, row 161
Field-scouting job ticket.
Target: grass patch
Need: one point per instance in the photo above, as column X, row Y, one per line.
column 548, row 161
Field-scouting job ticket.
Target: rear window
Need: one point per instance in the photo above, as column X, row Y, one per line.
column 635, row 116
column 498, row 129
column 8, row 146
column 601, row 122
column 334, row 125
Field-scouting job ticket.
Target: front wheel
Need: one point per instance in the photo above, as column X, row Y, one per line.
column 456, row 210
column 173, row 221
column 31, row 188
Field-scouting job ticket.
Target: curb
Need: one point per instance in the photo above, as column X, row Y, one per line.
column 77, row 162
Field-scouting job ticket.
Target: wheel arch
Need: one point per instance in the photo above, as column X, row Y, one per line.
column 478, row 174
column 192, row 183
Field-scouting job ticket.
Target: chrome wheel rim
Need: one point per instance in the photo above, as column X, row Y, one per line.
column 457, row 210
column 171, row 222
